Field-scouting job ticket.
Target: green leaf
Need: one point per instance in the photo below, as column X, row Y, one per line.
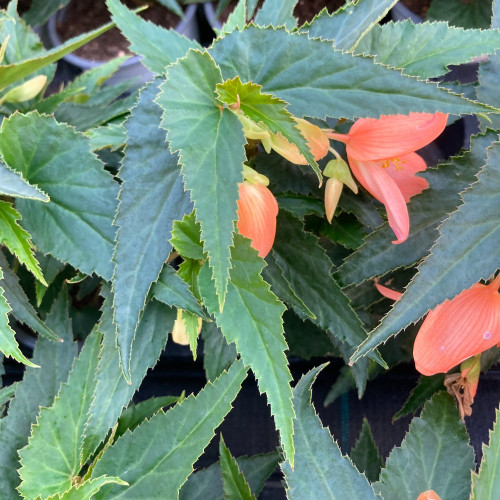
column 172, row 290
column 425, row 388
column 321, row 81
column 158, row 47
column 76, row 226
column 40, row 10
column 6, row 394
column 428, row 49
column 257, row 331
column 274, row 275
column 237, row 18
column 112, row 392
column 345, row 230
column 112, row 136
column 208, row 481
column 87, row 489
column 210, row 142
column 300, row 206
column 461, row 256
column 155, row 458
column 17, row 240
column 37, row 389
column 378, row 256
column 277, row 14
column 264, row 109
column 151, row 198
column 51, row 460
column 8, row 343
column 12, row 184
column 307, row 268
column 470, row 14
column 134, row 415
column 10, row 73
column 365, row 454
column 423, row 461
column 186, row 238
column 320, row 470
column 234, row 484
column 486, row 482
column 19, row 302
column 348, row 24
column 217, row 353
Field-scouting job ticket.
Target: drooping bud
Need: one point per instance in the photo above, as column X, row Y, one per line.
column 180, row 330
column 339, row 174
column 251, row 129
column 429, row 495
column 26, row 91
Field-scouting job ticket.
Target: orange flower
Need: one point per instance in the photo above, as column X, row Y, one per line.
column 381, row 154
column 429, row 495
column 458, row 329
column 257, row 211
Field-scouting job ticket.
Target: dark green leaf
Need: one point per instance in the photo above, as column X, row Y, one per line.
column 423, row 461
column 217, row 353
column 320, row 470
column 425, row 388
column 155, row 459
column 470, row 14
column 365, row 454
column 186, row 237
column 210, row 142
column 12, row 184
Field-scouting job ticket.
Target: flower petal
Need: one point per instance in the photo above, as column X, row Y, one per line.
column 375, row 179
column 458, row 329
column 403, row 173
column 392, row 136
column 388, row 292
column 257, row 211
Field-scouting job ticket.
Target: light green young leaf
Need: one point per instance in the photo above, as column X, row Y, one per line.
column 112, row 136
column 208, row 482
column 348, row 24
column 12, row 184
column 10, row 73
column 87, row 489
column 211, row 143
column 234, row 484
column 37, row 389
column 8, row 343
column 320, row 470
column 486, row 482
column 365, row 454
column 267, row 110
column 425, row 388
column 151, row 198
column 172, row 290
column 462, row 255
column 17, row 240
column 19, row 302
column 377, row 255
column 473, row 14
column 277, row 14
column 158, row 46
column 112, row 392
column 423, row 461
column 76, row 226
column 428, row 49
column 186, row 238
column 321, row 81
column 155, row 459
column 257, row 331
column 51, row 460
column 217, row 353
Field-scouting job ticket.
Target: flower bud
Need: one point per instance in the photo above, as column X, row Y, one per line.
column 26, row 91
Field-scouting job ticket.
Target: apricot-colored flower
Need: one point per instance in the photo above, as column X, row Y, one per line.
column 458, row 329
column 381, row 154
column 429, row 495
column 257, row 211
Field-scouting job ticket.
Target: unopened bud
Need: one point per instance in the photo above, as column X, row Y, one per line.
column 180, row 331
column 251, row 129
column 338, row 169
column 249, row 174
column 333, row 190
column 26, row 91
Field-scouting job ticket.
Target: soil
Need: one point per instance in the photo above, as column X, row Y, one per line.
column 420, row 7
column 82, row 16
column 304, row 11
